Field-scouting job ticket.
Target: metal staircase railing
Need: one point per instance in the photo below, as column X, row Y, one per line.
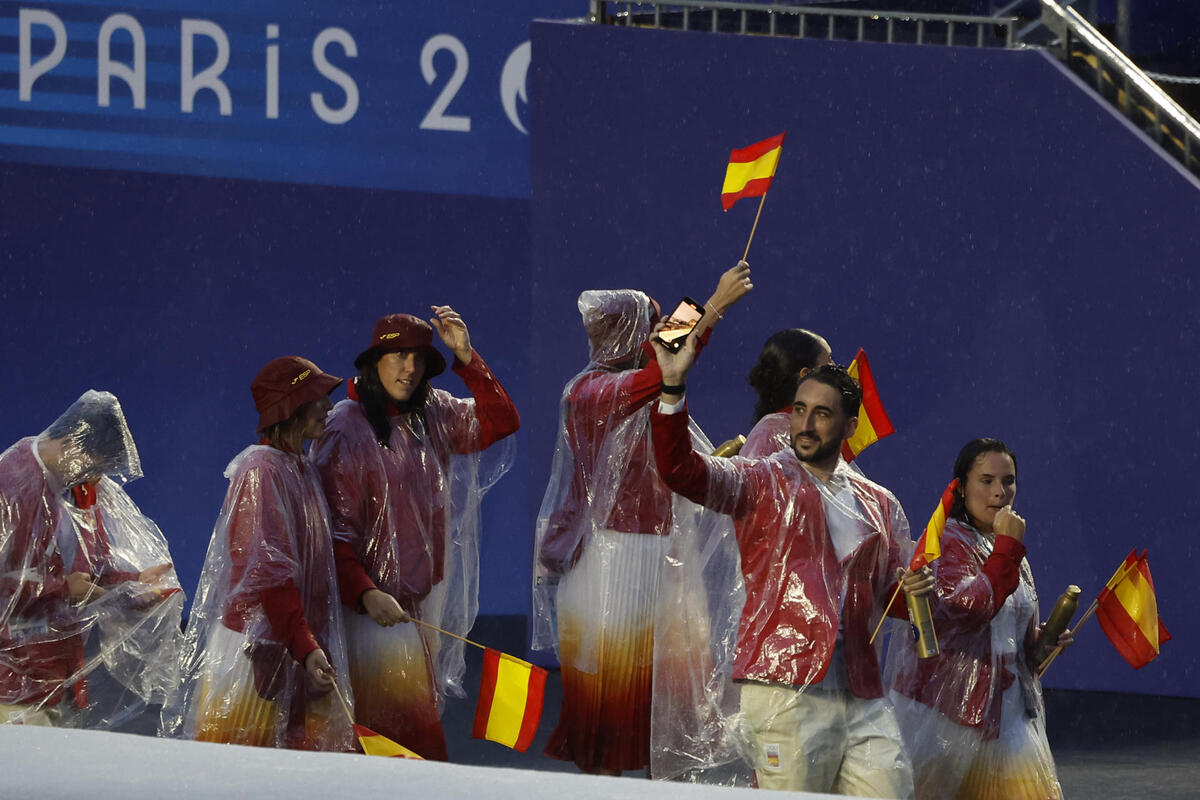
column 805, row 21
column 1119, row 80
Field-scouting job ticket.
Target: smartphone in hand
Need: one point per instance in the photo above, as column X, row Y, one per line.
column 680, row 323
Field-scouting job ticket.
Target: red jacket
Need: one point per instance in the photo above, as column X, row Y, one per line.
column 789, row 625
column 390, row 506
column 964, row 682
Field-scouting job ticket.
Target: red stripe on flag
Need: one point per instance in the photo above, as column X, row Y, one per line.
column 534, row 698
column 755, row 188
column 487, row 692
column 757, row 150
column 870, row 398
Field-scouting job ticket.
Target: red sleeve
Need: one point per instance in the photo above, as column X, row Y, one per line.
column 285, row 612
column 353, row 580
column 494, row 409
column 963, row 598
column 1003, row 568
column 679, row 465
column 643, row 385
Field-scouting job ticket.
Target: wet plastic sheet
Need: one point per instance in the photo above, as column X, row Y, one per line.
column 973, row 717
column 786, row 604
column 411, row 510
column 241, row 681
column 96, row 659
column 603, row 538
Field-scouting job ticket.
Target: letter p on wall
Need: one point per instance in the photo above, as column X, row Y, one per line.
column 28, row 70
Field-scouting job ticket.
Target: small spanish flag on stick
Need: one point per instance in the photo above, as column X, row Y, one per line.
column 1128, row 612
column 873, row 422
column 510, row 700
column 929, row 546
column 374, row 744
column 749, row 174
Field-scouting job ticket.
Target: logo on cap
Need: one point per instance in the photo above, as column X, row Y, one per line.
column 301, row 376
column 391, row 335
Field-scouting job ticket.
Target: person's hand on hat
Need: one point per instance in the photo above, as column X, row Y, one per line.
column 450, row 326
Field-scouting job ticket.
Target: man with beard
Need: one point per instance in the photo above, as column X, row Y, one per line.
column 821, row 550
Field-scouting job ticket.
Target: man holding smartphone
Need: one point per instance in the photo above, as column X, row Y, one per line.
column 820, row 549
column 602, row 530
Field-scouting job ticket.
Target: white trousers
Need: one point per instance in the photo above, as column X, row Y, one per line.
column 816, row 740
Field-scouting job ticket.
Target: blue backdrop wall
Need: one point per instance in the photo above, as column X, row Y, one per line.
column 1013, row 256
column 1016, row 259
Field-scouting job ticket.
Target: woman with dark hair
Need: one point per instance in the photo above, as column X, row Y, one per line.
column 404, row 472
column 787, row 356
column 266, row 634
column 972, row 716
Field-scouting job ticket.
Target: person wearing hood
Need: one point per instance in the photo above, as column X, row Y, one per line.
column 405, row 466
column 267, row 655
column 89, row 611
column 601, row 532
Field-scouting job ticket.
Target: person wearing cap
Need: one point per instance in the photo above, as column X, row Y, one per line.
column 602, row 532
column 88, row 636
column 267, row 661
column 404, row 470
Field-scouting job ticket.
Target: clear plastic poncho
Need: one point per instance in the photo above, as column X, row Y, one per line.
column 604, row 532
column 412, row 510
column 791, row 598
column 271, row 546
column 973, row 716
column 97, row 657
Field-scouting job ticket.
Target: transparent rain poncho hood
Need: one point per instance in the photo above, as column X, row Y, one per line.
column 973, row 716
column 241, row 682
column 94, row 660
column 788, row 598
column 411, row 509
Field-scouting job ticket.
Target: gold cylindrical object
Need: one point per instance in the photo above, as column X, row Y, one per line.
column 1056, row 623
column 730, row 447
column 922, row 620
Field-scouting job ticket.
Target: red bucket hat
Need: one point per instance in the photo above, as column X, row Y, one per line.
column 397, row 332
column 285, row 384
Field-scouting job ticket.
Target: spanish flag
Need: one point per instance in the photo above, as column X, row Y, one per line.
column 873, row 422
column 750, row 170
column 929, row 546
column 510, row 700
column 1128, row 612
column 374, row 744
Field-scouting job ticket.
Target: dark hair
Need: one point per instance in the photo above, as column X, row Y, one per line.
column 377, row 403
column 775, row 376
column 835, row 376
column 962, row 465
column 274, row 433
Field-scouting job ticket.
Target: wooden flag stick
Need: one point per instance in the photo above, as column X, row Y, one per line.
column 1045, row 665
column 448, row 633
column 886, row 609
column 755, row 227
column 345, row 705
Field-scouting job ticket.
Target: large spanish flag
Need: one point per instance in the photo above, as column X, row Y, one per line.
column 374, row 744
column 929, row 546
column 1128, row 612
column 750, row 170
column 510, row 700
column 873, row 422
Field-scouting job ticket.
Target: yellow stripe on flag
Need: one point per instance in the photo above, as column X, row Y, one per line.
column 737, row 175
column 864, row 435
column 508, row 703
column 1137, row 598
column 374, row 744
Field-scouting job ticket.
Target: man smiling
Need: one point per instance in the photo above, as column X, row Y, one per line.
column 821, row 547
